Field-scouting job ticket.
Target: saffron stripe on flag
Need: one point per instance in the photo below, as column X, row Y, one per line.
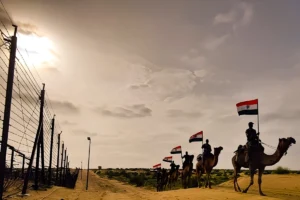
column 250, row 102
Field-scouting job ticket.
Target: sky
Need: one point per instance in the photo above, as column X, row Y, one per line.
column 141, row 77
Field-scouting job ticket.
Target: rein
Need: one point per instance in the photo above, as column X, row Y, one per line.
column 272, row 147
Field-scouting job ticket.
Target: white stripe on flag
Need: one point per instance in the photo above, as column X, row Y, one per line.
column 247, row 107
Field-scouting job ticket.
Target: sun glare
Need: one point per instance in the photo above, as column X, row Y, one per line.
column 39, row 49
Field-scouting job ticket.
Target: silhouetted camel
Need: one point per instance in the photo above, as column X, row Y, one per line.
column 210, row 162
column 260, row 161
column 187, row 172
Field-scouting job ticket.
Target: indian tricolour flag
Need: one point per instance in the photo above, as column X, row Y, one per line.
column 176, row 150
column 248, row 107
column 158, row 166
column 198, row 137
column 168, row 159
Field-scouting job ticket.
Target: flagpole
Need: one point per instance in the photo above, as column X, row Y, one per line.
column 257, row 117
column 181, row 159
column 202, row 142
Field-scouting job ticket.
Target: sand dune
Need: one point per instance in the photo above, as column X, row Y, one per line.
column 275, row 186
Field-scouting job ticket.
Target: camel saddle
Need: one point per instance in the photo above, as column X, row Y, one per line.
column 199, row 157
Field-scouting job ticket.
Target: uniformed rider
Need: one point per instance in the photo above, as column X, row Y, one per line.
column 252, row 139
column 206, row 150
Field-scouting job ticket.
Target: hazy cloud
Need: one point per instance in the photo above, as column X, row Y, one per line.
column 214, row 43
column 28, row 29
column 24, row 28
column 64, row 106
column 81, row 132
column 287, row 115
column 174, row 113
column 194, row 61
column 240, row 15
column 134, row 111
column 225, row 17
column 138, row 86
column 68, row 123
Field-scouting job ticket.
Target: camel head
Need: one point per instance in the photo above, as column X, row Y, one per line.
column 285, row 143
column 218, row 150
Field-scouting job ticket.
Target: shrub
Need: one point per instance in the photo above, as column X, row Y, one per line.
column 138, row 180
column 281, row 170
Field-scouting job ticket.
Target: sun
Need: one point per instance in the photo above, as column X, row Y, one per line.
column 38, row 50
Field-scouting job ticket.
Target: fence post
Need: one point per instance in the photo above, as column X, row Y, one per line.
column 35, row 145
column 51, row 147
column 42, row 151
column 61, row 165
column 8, row 97
column 64, row 169
column 12, row 161
column 23, row 164
column 57, row 162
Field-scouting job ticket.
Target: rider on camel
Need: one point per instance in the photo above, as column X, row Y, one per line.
column 252, row 139
column 186, row 159
column 173, row 167
column 206, row 150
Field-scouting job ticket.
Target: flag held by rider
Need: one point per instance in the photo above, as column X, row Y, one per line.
column 248, row 107
column 168, row 159
column 198, row 137
column 158, row 166
column 176, row 150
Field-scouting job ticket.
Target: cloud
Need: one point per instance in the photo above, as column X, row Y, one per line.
column 225, row 17
column 194, row 61
column 81, row 132
column 28, row 29
column 174, row 113
column 248, row 13
column 65, row 106
column 24, row 28
column 68, row 123
column 139, row 86
column 134, row 111
column 287, row 115
column 240, row 15
column 214, row 43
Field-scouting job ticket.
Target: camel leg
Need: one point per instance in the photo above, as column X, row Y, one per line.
column 260, row 173
column 209, row 183
column 199, row 178
column 251, row 181
column 206, row 179
column 235, row 182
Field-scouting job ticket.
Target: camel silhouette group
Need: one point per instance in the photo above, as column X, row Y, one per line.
column 259, row 162
column 165, row 178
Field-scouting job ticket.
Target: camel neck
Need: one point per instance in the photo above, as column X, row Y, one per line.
column 215, row 161
column 269, row 160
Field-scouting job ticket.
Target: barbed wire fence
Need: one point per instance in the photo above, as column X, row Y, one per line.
column 30, row 142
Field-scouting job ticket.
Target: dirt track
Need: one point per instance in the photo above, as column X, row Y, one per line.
column 275, row 186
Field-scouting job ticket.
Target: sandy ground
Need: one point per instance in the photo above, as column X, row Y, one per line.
column 275, row 186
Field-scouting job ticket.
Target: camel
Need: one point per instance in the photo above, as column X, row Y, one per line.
column 163, row 180
column 260, row 162
column 187, row 172
column 209, row 164
column 174, row 177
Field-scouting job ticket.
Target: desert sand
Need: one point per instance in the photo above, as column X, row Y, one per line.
column 274, row 186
